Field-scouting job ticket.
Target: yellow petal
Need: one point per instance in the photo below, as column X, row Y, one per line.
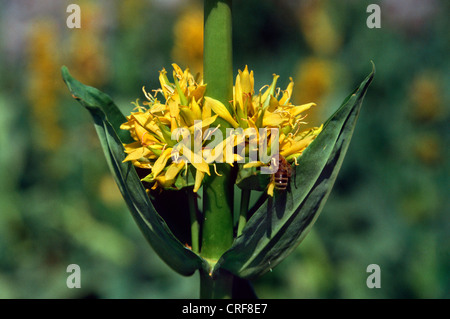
column 253, row 164
column 198, row 180
column 220, row 109
column 173, row 170
column 173, row 124
column 198, row 93
column 165, row 84
column 177, row 70
column 187, row 115
column 196, row 160
column 300, row 109
column 274, row 119
column 162, row 181
column 141, row 118
column 204, row 123
column 161, row 162
column 158, row 107
column 247, row 81
column 287, row 93
column 237, row 92
column 292, row 147
column 206, row 111
column 143, row 135
column 196, row 110
column 270, row 188
column 137, row 154
column 129, row 148
column 270, row 91
column 142, row 164
column 273, row 104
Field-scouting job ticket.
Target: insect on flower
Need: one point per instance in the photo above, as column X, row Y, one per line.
column 282, row 175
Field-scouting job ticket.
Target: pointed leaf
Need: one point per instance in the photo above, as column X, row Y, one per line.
column 91, row 97
column 154, row 228
column 282, row 222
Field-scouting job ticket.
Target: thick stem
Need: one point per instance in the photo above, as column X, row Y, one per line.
column 219, row 286
column 218, row 50
column 218, row 190
column 218, row 198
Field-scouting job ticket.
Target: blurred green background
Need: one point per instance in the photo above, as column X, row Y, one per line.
column 59, row 204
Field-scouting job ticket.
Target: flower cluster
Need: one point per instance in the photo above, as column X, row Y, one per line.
column 156, row 127
column 153, row 124
column 272, row 108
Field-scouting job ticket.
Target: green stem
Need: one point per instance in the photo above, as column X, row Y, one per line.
column 219, row 286
column 195, row 229
column 218, row 190
column 218, row 50
column 245, row 199
column 218, row 197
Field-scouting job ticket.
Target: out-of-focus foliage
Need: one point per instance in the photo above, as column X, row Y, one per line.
column 59, row 204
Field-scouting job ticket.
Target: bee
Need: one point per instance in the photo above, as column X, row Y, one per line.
column 282, row 175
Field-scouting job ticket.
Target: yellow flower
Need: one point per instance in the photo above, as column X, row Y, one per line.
column 166, row 131
column 157, row 127
column 188, row 38
column 272, row 108
column 42, row 91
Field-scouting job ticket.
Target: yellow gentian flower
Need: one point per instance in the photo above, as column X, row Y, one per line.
column 154, row 123
column 271, row 109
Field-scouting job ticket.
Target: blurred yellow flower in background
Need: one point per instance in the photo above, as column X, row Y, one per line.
column 43, row 86
column 426, row 97
column 319, row 31
column 428, row 148
column 317, row 74
column 128, row 10
column 315, row 78
column 188, row 38
column 87, row 49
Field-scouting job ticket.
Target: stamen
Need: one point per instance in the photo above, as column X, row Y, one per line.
column 260, row 90
column 215, row 169
column 142, row 139
column 282, row 112
column 209, row 133
column 138, row 107
column 168, row 88
column 157, row 91
column 148, row 96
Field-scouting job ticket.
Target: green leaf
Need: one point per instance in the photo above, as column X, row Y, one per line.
column 251, row 179
column 90, row 97
column 152, row 225
column 283, row 221
column 186, row 179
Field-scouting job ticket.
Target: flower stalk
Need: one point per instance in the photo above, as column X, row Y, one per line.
column 218, row 191
column 219, row 286
column 217, row 50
